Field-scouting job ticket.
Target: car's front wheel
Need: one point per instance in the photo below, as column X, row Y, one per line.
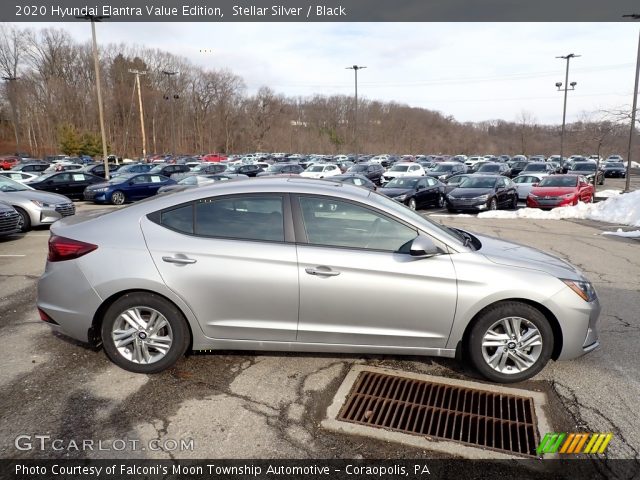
column 117, row 197
column 493, row 204
column 144, row 333
column 510, row 342
column 24, row 222
column 412, row 204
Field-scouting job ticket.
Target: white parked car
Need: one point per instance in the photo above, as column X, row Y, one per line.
column 321, row 171
column 403, row 169
column 471, row 161
column 379, row 158
column 614, row 158
column 22, row 177
column 524, row 184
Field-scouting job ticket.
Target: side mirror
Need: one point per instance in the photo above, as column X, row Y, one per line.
column 420, row 187
column 423, row 246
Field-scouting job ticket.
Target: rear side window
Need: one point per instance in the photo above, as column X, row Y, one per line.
column 179, row 219
column 248, row 218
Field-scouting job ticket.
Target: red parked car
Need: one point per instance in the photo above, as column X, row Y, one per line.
column 7, row 163
column 560, row 191
column 214, row 157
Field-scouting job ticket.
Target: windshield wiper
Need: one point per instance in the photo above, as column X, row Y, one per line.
column 465, row 237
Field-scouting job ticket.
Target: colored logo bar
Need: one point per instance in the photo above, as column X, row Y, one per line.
column 574, row 443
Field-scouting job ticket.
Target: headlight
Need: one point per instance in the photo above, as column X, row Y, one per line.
column 451, row 197
column 482, row 197
column 401, row 198
column 43, row 204
column 583, row 288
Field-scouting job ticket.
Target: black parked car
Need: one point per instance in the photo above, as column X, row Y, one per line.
column 354, row 179
column 444, row 170
column 97, row 169
column 493, row 169
column 589, row 170
column 373, row 171
column 169, row 169
column 248, row 170
column 614, row 170
column 70, row 184
column 483, row 192
column 415, row 192
column 282, row 169
column 455, row 180
column 516, row 168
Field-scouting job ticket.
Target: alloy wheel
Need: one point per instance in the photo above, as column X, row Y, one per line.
column 142, row 335
column 511, row 345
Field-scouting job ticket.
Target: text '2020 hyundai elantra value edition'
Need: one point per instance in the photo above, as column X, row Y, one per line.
column 162, row 276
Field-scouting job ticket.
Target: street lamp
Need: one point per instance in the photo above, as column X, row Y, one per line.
column 564, row 108
column 96, row 63
column 355, row 69
column 627, row 186
column 173, row 123
column 14, row 112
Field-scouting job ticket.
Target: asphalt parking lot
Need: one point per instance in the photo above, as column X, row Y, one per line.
column 241, row 405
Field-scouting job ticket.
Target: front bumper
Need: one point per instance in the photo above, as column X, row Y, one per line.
column 467, row 204
column 553, row 202
column 98, row 197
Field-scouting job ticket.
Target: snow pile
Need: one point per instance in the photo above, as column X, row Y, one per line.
column 622, row 233
column 623, row 209
column 608, row 193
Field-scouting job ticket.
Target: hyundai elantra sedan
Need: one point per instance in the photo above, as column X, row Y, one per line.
column 162, row 276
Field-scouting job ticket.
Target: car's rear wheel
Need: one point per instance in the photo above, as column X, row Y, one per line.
column 510, row 342
column 117, row 197
column 24, row 222
column 144, row 333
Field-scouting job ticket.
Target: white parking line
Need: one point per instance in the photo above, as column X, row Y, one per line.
column 12, row 255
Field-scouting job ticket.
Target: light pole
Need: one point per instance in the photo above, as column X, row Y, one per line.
column 137, row 73
column 96, row 64
column 14, row 112
column 627, row 186
column 355, row 69
column 564, row 108
column 169, row 97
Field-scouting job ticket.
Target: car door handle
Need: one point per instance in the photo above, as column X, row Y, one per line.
column 322, row 271
column 179, row 260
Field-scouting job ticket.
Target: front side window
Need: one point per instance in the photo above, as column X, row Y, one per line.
column 336, row 223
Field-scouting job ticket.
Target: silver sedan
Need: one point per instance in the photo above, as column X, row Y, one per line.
column 34, row 206
column 156, row 278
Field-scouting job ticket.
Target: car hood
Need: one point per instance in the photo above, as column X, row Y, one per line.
column 470, row 192
column 552, row 191
column 394, row 192
column 517, row 255
column 39, row 195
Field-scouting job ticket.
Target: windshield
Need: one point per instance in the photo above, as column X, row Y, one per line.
column 358, row 168
column 519, row 165
column 443, row 168
column 489, row 168
column 584, row 167
column 157, row 169
column 190, row 180
column 402, row 183
column 559, row 181
column 615, row 165
column 8, row 185
column 121, row 178
column 478, row 182
column 318, row 168
column 275, row 168
column 399, row 168
column 537, row 167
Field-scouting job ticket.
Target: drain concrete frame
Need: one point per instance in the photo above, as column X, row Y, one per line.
column 424, row 442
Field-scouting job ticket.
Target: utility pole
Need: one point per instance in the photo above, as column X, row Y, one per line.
column 627, row 186
column 144, row 138
column 171, row 97
column 355, row 69
column 96, row 64
column 11, row 93
column 564, row 108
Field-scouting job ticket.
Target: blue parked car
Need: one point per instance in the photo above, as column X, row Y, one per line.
column 133, row 168
column 126, row 188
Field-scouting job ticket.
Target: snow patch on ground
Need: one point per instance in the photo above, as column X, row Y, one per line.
column 622, row 209
column 608, row 193
column 622, row 233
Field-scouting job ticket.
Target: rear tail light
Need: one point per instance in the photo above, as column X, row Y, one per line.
column 46, row 318
column 62, row 248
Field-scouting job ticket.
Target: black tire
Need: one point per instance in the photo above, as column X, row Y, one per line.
column 177, row 329
column 412, row 204
column 118, row 197
column 514, row 203
column 25, row 220
column 493, row 204
column 495, row 314
column 441, row 202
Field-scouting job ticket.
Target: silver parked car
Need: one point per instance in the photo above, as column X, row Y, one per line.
column 34, row 206
column 158, row 277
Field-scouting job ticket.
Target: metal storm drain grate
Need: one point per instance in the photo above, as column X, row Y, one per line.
column 476, row 417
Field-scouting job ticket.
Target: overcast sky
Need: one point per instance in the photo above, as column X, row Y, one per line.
column 472, row 71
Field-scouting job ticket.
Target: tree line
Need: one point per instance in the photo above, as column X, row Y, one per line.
column 48, row 104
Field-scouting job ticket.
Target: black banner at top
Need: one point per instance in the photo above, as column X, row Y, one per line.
column 319, row 10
